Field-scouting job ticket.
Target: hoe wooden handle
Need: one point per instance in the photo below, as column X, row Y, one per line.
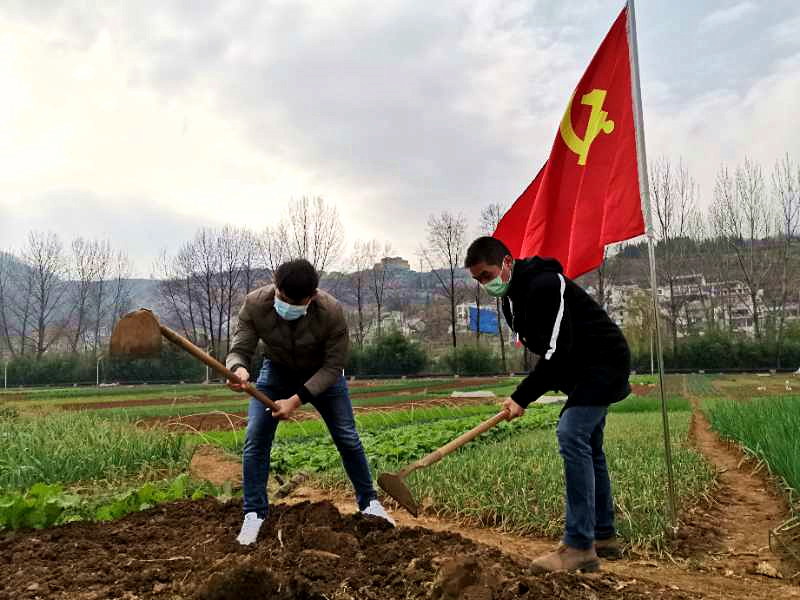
column 449, row 447
column 181, row 341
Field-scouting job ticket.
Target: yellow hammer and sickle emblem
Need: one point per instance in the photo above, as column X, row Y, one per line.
column 597, row 123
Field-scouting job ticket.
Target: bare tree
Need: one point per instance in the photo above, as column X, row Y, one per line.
column 490, row 219
column 6, row 267
column 250, row 254
column 639, row 323
column 274, row 246
column 607, row 273
column 122, row 271
column 201, row 285
column 445, row 252
column 674, row 196
column 84, row 266
column 100, row 293
column 230, row 246
column 20, row 307
column 710, row 261
column 314, row 231
column 176, row 291
column 742, row 217
column 44, row 256
column 360, row 263
column 786, row 189
column 206, row 267
column 380, row 276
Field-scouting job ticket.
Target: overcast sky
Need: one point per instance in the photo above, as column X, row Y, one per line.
column 142, row 121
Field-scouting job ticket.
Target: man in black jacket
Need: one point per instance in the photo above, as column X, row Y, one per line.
column 583, row 354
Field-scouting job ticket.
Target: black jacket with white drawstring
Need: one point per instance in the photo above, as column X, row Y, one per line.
column 583, row 353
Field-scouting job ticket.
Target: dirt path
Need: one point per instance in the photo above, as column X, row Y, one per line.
column 735, row 525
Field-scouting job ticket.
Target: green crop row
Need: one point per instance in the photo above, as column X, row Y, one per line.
column 515, row 482
column 767, row 428
column 367, row 421
column 399, row 444
column 71, row 447
column 47, row 505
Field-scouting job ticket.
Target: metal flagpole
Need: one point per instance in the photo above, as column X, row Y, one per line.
column 644, row 191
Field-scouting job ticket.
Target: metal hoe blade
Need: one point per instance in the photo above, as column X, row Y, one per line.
column 394, row 485
column 137, row 335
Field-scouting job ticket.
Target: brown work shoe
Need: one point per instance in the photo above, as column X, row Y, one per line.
column 567, row 558
column 608, row 549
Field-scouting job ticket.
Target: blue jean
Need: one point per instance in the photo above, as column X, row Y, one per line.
column 335, row 409
column 590, row 508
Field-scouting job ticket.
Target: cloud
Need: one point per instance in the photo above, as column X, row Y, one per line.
column 136, row 225
column 748, row 123
column 786, row 32
column 395, row 104
column 728, row 16
column 210, row 112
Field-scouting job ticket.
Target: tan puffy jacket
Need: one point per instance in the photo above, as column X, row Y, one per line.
column 314, row 346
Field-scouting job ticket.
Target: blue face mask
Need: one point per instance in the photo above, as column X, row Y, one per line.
column 290, row 312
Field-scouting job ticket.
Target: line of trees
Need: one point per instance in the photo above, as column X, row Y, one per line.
column 744, row 245
column 50, row 294
column 746, row 241
column 206, row 280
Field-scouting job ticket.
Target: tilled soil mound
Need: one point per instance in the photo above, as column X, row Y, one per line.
column 306, row 550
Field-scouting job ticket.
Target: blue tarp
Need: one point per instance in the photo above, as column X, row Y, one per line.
column 488, row 320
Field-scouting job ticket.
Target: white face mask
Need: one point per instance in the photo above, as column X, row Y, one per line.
column 290, row 312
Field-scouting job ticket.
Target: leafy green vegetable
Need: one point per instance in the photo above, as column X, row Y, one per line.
column 47, row 505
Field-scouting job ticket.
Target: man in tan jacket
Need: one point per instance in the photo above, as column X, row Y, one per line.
column 305, row 335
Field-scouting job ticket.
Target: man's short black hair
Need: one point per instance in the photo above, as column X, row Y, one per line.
column 297, row 279
column 487, row 250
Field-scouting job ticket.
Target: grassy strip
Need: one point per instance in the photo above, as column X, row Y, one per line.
column 58, row 396
column 69, row 447
column 644, row 379
column 701, row 385
column 134, row 392
column 135, row 413
column 636, row 404
column 766, row 428
column 397, row 386
column 238, row 404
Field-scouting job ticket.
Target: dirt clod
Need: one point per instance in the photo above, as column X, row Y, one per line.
column 455, row 577
column 244, row 581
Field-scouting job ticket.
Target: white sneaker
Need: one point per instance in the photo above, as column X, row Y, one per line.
column 250, row 528
column 376, row 509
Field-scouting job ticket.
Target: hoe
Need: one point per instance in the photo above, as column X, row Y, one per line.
column 393, row 484
column 138, row 334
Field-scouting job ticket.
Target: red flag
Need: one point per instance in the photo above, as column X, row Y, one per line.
column 587, row 193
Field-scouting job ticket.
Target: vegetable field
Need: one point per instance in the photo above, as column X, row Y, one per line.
column 84, row 460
